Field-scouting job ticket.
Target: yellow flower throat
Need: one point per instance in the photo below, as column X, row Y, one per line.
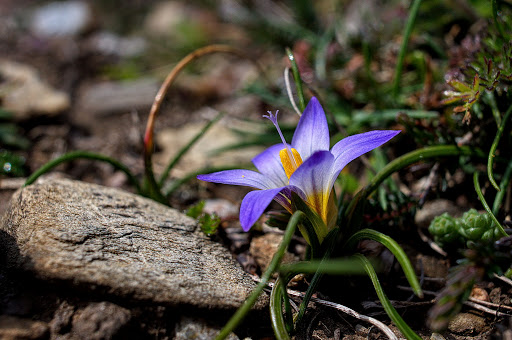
column 291, row 160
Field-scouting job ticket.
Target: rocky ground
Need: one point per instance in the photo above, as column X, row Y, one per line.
column 83, row 257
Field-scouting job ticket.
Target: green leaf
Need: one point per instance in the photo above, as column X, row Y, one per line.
column 494, row 146
column 209, row 223
column 297, row 79
column 391, row 244
column 187, row 147
column 388, row 307
column 279, row 324
column 486, row 206
column 196, row 210
column 73, row 155
column 341, row 266
column 276, row 260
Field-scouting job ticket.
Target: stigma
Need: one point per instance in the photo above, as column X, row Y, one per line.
column 290, row 158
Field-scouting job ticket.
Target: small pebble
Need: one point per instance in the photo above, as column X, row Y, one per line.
column 480, row 294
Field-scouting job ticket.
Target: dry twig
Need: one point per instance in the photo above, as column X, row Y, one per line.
column 385, row 329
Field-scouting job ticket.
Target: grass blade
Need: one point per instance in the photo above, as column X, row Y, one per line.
column 276, row 260
column 276, row 309
column 187, row 147
column 397, row 251
column 494, row 146
column 390, row 310
column 298, row 80
column 486, row 206
column 405, row 39
column 70, row 156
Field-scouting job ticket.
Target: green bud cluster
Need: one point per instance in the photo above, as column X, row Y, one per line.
column 471, row 227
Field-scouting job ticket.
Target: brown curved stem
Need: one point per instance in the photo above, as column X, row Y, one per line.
column 154, row 190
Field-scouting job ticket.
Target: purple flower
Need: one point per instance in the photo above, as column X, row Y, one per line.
column 306, row 166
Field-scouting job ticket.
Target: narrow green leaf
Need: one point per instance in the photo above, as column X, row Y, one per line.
column 297, row 79
column 397, row 251
column 279, row 325
column 494, row 146
column 330, row 242
column 432, row 152
column 70, row 156
column 179, row 182
column 276, row 260
column 388, row 307
column 403, row 48
column 342, row 266
column 187, row 147
column 486, row 206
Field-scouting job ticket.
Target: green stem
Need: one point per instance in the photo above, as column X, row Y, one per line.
column 151, row 188
column 503, row 185
column 298, row 80
column 388, row 307
column 278, row 294
column 73, row 155
column 339, row 266
column 354, row 210
column 397, row 251
column 484, row 203
column 494, row 146
column 276, row 260
column 330, row 242
column 416, row 156
column 494, row 107
column 187, row 147
column 401, row 55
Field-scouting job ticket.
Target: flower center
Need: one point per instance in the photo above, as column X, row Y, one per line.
column 290, row 158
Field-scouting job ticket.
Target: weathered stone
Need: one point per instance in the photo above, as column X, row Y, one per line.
column 467, row 324
column 115, row 97
column 24, row 93
column 264, row 247
column 435, row 208
column 14, row 328
column 98, row 321
column 119, row 243
column 62, row 318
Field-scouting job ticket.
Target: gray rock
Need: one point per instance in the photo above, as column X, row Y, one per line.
column 116, row 97
column 25, row 94
column 467, row 324
column 435, row 208
column 121, row 244
column 98, row 321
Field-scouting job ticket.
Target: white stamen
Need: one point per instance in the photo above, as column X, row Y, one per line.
column 273, row 119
